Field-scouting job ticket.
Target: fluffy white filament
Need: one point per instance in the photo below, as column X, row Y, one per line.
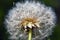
column 30, row 9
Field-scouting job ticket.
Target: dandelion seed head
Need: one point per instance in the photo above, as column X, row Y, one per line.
column 45, row 20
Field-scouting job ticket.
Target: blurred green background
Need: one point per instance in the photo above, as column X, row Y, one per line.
column 5, row 5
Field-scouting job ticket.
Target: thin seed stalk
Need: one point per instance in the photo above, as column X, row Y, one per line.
column 30, row 34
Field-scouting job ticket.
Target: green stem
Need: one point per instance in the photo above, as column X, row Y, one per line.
column 30, row 34
column 48, row 38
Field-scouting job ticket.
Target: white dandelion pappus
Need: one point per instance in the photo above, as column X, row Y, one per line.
column 44, row 15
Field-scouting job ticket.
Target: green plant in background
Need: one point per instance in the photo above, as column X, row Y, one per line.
column 53, row 3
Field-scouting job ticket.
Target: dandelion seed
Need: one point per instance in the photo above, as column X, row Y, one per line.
column 30, row 15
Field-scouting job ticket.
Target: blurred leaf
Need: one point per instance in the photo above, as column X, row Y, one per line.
column 53, row 3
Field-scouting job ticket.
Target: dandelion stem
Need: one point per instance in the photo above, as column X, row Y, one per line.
column 30, row 34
